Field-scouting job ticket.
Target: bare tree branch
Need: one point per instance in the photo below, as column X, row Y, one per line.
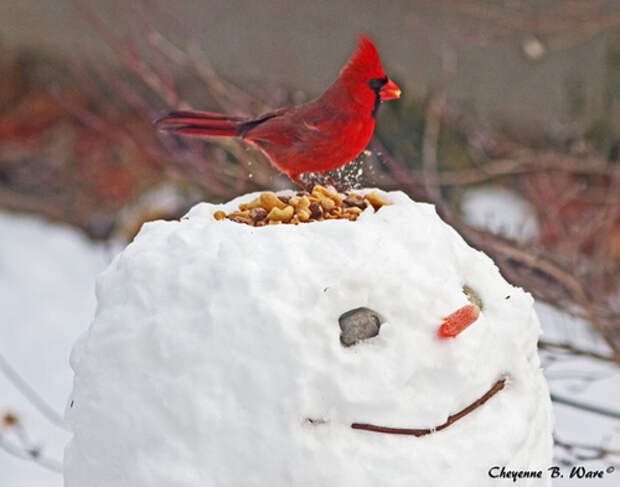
column 570, row 349
column 598, row 452
column 33, row 396
column 585, row 407
column 33, row 455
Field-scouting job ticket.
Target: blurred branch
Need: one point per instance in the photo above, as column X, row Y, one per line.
column 24, row 450
column 149, row 55
column 569, row 349
column 585, row 407
column 578, row 451
column 430, row 138
column 32, row 454
column 526, row 162
column 29, row 393
column 229, row 96
column 401, row 175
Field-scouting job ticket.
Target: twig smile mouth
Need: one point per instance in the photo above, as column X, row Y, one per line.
column 495, row 388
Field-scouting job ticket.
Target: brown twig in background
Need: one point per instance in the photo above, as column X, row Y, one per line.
column 31, row 394
column 569, row 349
column 585, row 407
column 577, row 452
column 432, row 127
column 528, row 162
column 31, row 454
column 400, row 175
column 24, row 449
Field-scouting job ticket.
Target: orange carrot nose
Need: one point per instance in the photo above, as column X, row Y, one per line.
column 389, row 91
column 458, row 321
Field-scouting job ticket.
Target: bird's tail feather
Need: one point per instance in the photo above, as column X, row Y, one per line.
column 194, row 122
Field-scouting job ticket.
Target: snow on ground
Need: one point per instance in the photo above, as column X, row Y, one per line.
column 47, row 299
column 580, row 379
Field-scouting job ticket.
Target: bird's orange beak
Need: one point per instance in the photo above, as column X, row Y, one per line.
column 389, row 91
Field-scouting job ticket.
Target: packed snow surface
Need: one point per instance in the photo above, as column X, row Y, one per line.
column 215, row 358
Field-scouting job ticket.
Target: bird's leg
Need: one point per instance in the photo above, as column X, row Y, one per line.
column 297, row 180
column 331, row 181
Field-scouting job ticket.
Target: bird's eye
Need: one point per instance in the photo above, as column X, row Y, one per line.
column 358, row 324
column 377, row 83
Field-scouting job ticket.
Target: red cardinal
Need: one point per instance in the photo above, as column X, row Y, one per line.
column 318, row 136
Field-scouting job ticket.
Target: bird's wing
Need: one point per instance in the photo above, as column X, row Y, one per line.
column 251, row 125
column 303, row 126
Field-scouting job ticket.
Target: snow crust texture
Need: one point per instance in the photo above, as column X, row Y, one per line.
column 215, row 359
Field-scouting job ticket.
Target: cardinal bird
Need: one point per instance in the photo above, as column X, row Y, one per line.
column 318, row 136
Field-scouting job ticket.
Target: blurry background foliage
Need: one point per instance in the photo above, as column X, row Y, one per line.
column 520, row 95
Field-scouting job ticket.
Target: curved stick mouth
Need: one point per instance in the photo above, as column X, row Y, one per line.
column 495, row 388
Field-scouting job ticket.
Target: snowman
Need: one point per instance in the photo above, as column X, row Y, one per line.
column 373, row 348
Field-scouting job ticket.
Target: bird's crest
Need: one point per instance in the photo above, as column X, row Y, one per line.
column 365, row 62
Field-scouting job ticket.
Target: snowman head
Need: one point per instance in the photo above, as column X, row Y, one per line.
column 292, row 354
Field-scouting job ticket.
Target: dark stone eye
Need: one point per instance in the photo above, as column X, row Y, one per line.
column 358, row 324
column 377, row 83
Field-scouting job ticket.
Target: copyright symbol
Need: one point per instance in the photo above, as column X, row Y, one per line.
column 611, row 469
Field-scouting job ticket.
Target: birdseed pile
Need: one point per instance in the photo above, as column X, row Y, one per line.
column 321, row 204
